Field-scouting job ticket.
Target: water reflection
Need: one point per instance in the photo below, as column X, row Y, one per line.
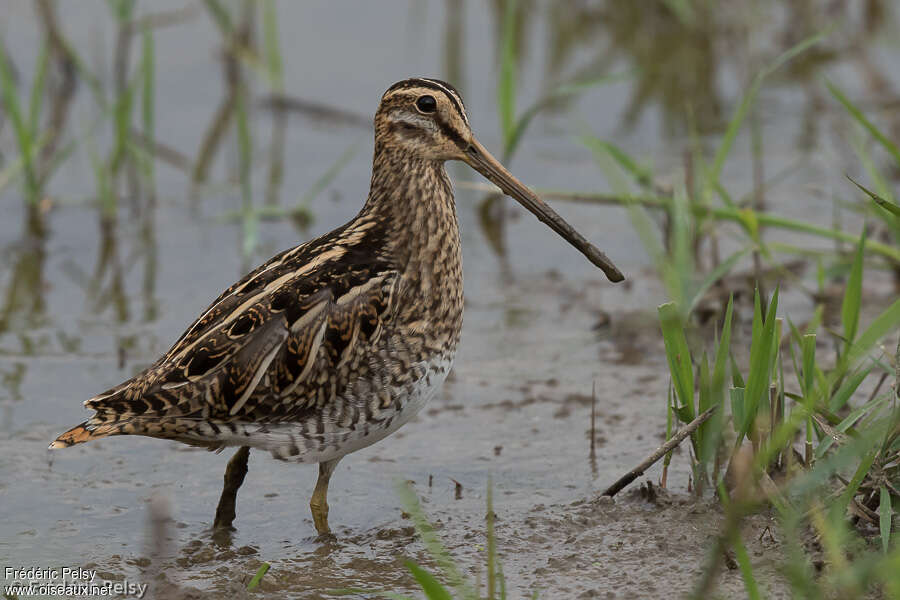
column 106, row 288
column 24, row 307
column 276, row 157
column 678, row 61
column 150, row 253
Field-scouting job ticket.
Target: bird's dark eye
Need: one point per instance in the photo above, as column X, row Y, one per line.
column 427, row 104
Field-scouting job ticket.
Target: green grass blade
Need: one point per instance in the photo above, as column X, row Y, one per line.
column 559, row 93
column 888, row 570
column 770, row 220
column 679, row 358
column 850, row 421
column 220, row 16
column 848, row 387
column 861, row 471
column 737, row 380
column 857, row 114
column 122, row 9
column 122, row 114
column 761, row 359
column 743, row 561
column 37, row 90
column 432, row 542
column 680, row 244
column 818, row 316
column 724, row 349
column 641, row 222
column 628, row 164
column 885, row 512
column 853, row 293
column 722, row 269
column 506, row 89
column 884, row 198
column 740, row 114
column 704, row 438
column 254, row 583
column 795, row 339
column 878, row 200
column 273, row 49
column 670, row 411
column 684, row 10
column 809, row 367
column 877, row 329
column 491, row 543
column 705, row 385
column 430, row 585
column 15, row 166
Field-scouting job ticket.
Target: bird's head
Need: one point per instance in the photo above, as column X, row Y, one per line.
column 426, row 118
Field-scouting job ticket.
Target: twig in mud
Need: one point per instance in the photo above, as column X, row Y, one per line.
column 593, row 416
column 659, row 453
column 457, row 489
column 592, row 457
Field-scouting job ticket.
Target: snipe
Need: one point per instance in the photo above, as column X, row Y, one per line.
column 334, row 344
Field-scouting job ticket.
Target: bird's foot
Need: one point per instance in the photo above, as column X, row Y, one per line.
column 326, row 538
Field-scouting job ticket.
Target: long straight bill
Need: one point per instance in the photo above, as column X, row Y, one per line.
column 481, row 160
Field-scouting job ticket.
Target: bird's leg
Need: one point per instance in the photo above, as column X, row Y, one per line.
column 234, row 477
column 318, row 504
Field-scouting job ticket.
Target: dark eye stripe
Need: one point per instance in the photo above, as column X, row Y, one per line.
column 451, row 133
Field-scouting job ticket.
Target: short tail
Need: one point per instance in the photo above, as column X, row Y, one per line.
column 118, row 412
column 85, row 432
column 107, row 419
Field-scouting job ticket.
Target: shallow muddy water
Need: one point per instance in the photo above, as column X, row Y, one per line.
column 84, row 307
